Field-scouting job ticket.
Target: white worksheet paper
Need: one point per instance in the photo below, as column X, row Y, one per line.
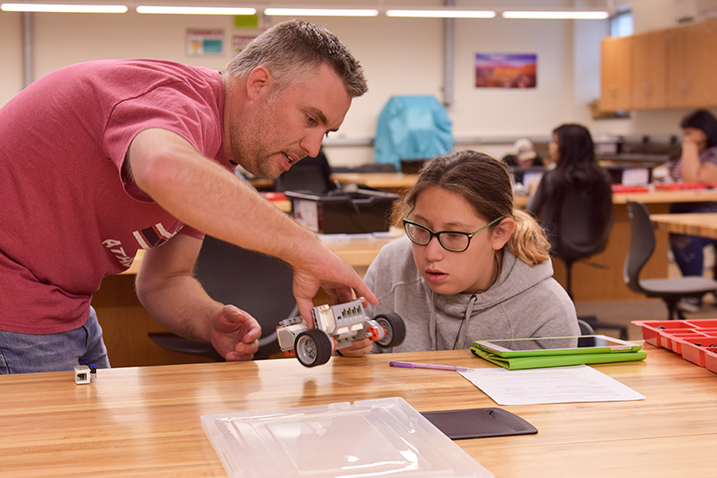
column 578, row 383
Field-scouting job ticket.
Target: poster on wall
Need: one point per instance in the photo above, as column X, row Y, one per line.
column 506, row 70
column 239, row 42
column 205, row 42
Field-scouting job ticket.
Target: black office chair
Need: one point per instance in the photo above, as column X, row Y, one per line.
column 256, row 283
column 642, row 245
column 579, row 227
column 366, row 168
column 586, row 329
column 376, row 168
column 311, row 174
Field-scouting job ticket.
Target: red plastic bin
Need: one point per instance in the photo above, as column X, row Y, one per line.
column 711, row 360
column 694, row 349
column 674, row 342
column 695, row 340
column 701, row 323
column 683, row 186
column 653, row 330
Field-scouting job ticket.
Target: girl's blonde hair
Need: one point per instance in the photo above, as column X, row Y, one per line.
column 485, row 183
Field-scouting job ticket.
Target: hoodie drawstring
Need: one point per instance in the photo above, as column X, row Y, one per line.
column 432, row 321
column 463, row 331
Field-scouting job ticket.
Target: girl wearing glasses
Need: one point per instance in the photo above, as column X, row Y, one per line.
column 471, row 267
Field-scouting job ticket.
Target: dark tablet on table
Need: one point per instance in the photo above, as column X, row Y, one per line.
column 479, row 423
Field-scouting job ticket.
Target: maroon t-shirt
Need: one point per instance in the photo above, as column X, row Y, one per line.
column 68, row 217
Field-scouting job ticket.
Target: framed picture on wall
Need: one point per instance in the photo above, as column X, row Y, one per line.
column 205, row 42
column 506, row 70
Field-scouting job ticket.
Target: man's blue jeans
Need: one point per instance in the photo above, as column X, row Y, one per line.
column 23, row 353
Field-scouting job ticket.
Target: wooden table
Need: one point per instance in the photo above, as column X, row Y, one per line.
column 262, row 184
column 146, row 421
column 392, row 182
column 387, row 181
column 693, row 224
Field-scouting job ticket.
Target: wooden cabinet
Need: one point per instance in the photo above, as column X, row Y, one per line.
column 616, row 57
column 687, row 57
column 649, row 70
column 709, row 69
column 671, row 68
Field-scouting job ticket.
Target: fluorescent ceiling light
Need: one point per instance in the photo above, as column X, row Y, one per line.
column 442, row 13
column 59, row 8
column 321, row 12
column 555, row 15
column 176, row 10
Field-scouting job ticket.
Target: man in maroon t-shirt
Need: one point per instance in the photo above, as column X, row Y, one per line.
column 104, row 158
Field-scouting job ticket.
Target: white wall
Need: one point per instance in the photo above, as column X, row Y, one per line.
column 400, row 56
column 11, row 64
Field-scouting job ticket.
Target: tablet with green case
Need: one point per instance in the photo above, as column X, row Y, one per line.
column 540, row 352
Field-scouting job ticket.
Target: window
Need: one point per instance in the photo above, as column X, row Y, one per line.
column 621, row 24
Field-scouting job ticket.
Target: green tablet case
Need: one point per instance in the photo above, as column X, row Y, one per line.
column 539, row 361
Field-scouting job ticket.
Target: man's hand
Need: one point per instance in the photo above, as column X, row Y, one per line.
column 358, row 348
column 335, row 276
column 235, row 334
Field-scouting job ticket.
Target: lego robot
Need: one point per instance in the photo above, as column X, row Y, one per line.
column 335, row 327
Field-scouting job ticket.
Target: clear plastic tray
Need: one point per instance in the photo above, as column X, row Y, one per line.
column 372, row 438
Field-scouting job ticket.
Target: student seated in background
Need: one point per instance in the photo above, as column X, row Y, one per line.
column 524, row 156
column 697, row 163
column 576, row 186
column 471, row 267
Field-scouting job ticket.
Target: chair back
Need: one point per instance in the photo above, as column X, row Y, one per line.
column 586, row 329
column 311, row 174
column 366, row 168
column 642, row 244
column 579, row 221
column 259, row 284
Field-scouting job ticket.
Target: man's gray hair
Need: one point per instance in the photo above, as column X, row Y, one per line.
column 293, row 48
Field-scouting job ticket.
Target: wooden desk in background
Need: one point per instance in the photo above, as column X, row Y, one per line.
column 693, row 224
column 262, row 184
column 392, row 182
column 146, row 421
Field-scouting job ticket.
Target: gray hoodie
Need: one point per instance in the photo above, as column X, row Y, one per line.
column 524, row 301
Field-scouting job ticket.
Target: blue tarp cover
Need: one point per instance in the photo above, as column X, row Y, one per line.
column 412, row 127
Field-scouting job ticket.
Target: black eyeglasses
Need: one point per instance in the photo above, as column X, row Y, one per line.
column 454, row 241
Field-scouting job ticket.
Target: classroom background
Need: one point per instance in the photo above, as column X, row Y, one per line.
column 401, row 56
column 139, row 419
